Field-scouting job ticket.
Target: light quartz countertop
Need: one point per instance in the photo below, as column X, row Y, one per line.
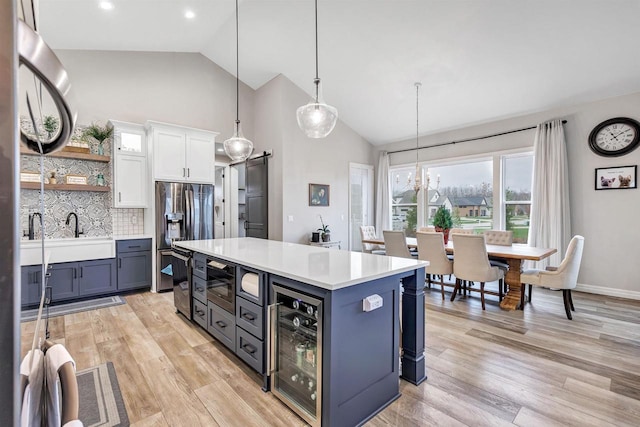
column 325, row 268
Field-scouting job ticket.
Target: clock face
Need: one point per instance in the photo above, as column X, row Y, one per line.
column 615, row 137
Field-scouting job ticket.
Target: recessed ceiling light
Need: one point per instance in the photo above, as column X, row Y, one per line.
column 189, row 14
column 106, row 5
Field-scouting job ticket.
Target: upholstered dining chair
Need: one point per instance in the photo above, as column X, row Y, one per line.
column 369, row 232
column 460, row 231
column 564, row 277
column 431, row 248
column 471, row 263
column 426, row 230
column 500, row 238
column 395, row 243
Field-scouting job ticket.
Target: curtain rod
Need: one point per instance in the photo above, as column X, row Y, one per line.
column 466, row 140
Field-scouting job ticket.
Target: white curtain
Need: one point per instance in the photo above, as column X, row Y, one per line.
column 550, row 220
column 383, row 203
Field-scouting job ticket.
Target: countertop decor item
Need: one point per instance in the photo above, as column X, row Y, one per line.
column 442, row 222
column 238, row 148
column 317, row 119
column 615, row 137
column 52, row 178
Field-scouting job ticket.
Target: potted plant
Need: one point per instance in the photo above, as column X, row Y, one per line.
column 324, row 231
column 50, row 125
column 442, row 222
column 99, row 133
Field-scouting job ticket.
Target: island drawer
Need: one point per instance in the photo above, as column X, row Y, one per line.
column 250, row 349
column 200, row 265
column 200, row 313
column 249, row 316
column 133, row 245
column 222, row 325
column 199, row 289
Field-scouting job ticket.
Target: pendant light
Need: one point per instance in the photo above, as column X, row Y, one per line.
column 238, row 148
column 317, row 119
column 416, row 180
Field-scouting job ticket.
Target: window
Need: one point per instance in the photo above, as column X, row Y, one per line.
column 465, row 189
column 517, row 173
column 404, row 204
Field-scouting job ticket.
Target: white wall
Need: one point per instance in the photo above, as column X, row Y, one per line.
column 302, row 160
column 180, row 88
column 607, row 219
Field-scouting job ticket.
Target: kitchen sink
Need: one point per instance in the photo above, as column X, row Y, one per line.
column 67, row 250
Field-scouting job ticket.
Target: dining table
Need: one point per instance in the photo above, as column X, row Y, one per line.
column 514, row 255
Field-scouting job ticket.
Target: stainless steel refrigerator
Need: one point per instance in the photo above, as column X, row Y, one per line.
column 183, row 212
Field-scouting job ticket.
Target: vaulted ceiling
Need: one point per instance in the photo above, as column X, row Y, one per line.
column 478, row 61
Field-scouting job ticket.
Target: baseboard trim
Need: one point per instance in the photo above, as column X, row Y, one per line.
column 612, row 292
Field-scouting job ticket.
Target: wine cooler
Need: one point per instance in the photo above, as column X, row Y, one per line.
column 295, row 359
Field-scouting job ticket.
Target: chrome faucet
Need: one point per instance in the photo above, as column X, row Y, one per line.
column 76, row 233
column 31, row 225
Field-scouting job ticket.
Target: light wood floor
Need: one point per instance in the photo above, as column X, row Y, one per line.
column 492, row 368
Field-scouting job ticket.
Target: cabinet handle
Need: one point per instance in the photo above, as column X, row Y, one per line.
column 75, row 273
column 198, row 289
column 249, row 348
column 81, row 271
column 188, row 172
column 250, row 317
column 221, row 324
column 184, row 172
column 199, row 312
column 133, row 246
column 119, row 196
column 119, row 262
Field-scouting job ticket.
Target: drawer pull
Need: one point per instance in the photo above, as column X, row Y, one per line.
column 250, row 317
column 221, row 324
column 249, row 348
column 199, row 289
column 199, row 312
column 134, row 246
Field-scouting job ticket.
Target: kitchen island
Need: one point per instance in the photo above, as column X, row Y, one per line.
column 322, row 326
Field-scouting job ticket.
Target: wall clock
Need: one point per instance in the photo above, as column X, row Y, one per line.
column 615, row 137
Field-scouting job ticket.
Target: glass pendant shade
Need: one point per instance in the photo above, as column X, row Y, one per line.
column 238, row 148
column 317, row 119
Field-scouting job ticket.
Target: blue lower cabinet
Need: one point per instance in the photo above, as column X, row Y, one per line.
column 97, row 277
column 222, row 325
column 134, row 264
column 63, row 280
column 31, row 285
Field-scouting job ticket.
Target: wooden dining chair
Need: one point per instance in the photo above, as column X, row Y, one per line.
column 369, row 232
column 564, row 277
column 431, row 248
column 471, row 263
column 395, row 243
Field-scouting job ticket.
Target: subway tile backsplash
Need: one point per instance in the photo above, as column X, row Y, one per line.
column 127, row 221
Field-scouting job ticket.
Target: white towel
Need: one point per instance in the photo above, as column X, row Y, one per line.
column 56, row 356
column 31, row 414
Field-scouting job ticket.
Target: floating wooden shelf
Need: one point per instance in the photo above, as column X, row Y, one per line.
column 64, row 187
column 71, row 155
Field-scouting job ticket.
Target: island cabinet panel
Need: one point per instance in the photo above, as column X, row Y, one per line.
column 250, row 349
column 360, row 360
column 222, row 325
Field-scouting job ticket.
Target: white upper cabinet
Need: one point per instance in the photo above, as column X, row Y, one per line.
column 130, row 175
column 182, row 154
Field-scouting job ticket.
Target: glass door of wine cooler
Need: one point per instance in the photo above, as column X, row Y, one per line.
column 296, row 352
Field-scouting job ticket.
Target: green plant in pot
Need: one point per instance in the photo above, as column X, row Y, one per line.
column 99, row 133
column 324, row 231
column 50, row 125
column 442, row 222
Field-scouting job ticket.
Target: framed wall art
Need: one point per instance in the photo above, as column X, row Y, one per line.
column 318, row 195
column 616, row 178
